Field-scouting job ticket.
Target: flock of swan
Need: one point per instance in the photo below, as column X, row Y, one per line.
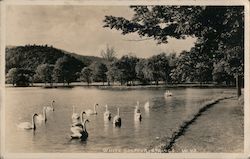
column 38, row 117
column 78, row 126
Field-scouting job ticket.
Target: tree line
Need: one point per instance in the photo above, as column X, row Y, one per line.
column 128, row 70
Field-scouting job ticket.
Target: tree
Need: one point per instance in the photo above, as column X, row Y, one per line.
column 220, row 73
column 126, row 65
column 20, row 76
column 113, row 73
column 100, row 73
column 11, row 76
column 86, row 75
column 64, row 70
column 216, row 27
column 143, row 71
column 160, row 67
column 44, row 73
column 109, row 54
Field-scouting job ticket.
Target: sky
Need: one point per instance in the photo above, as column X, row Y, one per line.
column 79, row 29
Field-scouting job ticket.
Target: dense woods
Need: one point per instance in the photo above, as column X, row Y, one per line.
column 62, row 67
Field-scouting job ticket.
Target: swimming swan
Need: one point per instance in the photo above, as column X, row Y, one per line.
column 28, row 125
column 82, row 134
column 90, row 111
column 117, row 119
column 146, row 105
column 107, row 114
column 137, row 114
column 77, row 126
column 168, row 93
column 51, row 107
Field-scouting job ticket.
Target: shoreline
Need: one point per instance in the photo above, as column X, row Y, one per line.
column 211, row 127
column 100, row 86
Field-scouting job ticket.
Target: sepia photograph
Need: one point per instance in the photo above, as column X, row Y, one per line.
column 136, row 79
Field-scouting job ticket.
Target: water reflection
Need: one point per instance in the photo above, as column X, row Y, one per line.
column 106, row 126
column 137, row 125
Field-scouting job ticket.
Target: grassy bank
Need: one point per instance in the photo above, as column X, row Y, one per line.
column 216, row 127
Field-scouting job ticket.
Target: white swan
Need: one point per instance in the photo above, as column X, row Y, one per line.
column 51, row 107
column 81, row 133
column 146, row 105
column 137, row 114
column 90, row 111
column 117, row 121
column 75, row 116
column 42, row 117
column 137, row 106
column 28, row 125
column 78, row 126
column 168, row 93
column 107, row 114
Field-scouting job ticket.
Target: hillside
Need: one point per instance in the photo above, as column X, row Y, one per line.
column 30, row 56
column 87, row 59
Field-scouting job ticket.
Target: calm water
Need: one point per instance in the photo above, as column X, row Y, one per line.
column 164, row 116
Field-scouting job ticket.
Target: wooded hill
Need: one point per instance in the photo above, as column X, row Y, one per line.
column 31, row 56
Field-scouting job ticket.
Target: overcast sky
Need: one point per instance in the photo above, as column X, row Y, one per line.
column 79, row 29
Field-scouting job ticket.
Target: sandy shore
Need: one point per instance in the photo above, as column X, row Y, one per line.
column 219, row 129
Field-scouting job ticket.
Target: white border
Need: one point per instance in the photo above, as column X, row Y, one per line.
column 125, row 3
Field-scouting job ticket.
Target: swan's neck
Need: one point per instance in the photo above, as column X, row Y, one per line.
column 82, row 116
column 95, row 108
column 33, row 122
column 84, row 126
column 52, row 105
column 106, row 108
column 44, row 114
column 118, row 112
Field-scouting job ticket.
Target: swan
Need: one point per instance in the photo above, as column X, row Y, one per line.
column 137, row 106
column 82, row 133
column 168, row 93
column 77, row 126
column 92, row 112
column 43, row 116
column 146, row 105
column 107, row 114
column 75, row 116
column 146, row 108
column 28, row 125
column 117, row 119
column 51, row 107
column 137, row 115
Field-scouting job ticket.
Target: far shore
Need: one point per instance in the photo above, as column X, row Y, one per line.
column 118, row 86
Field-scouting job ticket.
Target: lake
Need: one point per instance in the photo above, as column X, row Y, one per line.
column 163, row 118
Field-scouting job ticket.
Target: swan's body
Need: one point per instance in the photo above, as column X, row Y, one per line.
column 146, row 105
column 91, row 112
column 80, row 131
column 117, row 121
column 28, row 125
column 137, row 114
column 77, row 126
column 42, row 117
column 107, row 114
column 168, row 94
column 51, row 107
column 75, row 116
